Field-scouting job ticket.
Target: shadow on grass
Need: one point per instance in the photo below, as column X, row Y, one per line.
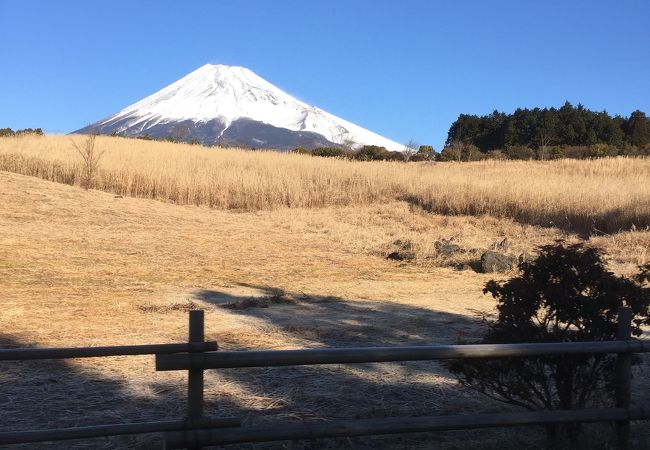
column 44, row 394
column 48, row 394
column 333, row 321
column 355, row 390
column 583, row 224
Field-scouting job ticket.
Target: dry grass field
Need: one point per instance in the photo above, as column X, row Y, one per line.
column 282, row 251
column 608, row 195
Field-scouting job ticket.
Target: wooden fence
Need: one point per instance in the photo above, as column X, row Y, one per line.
column 197, row 355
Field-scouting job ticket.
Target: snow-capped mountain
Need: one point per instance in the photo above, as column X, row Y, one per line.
column 231, row 105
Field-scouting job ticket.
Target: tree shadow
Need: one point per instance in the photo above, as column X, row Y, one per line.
column 66, row 393
column 368, row 390
column 334, row 321
column 43, row 394
column 48, row 394
column 354, row 390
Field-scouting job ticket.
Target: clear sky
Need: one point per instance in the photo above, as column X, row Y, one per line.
column 404, row 69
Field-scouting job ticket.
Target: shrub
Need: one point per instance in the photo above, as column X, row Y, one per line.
column 90, row 161
column 632, row 150
column 329, row 152
column 426, row 153
column 519, row 152
column 172, row 139
column 496, row 154
column 6, row 132
column 555, row 152
column 565, row 295
column 577, row 152
column 450, row 154
column 602, row 150
column 398, row 156
column 409, row 150
column 471, row 153
column 371, row 153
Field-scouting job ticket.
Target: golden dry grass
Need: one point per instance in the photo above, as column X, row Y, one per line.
column 85, row 268
column 91, row 268
column 606, row 195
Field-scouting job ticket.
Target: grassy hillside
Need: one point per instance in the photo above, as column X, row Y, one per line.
column 607, row 195
column 82, row 268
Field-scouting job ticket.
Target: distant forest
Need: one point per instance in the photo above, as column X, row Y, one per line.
column 572, row 131
column 9, row 132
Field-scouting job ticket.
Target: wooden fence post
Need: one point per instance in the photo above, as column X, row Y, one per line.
column 624, row 376
column 195, row 376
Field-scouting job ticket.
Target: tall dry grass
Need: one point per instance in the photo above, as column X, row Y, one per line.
column 606, row 194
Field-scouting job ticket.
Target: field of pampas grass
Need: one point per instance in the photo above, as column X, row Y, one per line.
column 285, row 252
column 605, row 195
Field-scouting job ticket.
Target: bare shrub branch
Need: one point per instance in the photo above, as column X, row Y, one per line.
column 90, row 161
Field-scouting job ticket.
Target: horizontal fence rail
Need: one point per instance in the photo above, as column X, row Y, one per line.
column 197, row 355
column 393, row 425
column 22, row 354
column 273, row 358
column 60, row 434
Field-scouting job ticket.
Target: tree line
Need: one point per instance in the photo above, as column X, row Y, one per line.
column 9, row 132
column 548, row 133
column 371, row 153
column 569, row 131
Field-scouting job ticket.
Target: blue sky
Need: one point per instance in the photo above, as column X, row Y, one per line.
column 404, row 69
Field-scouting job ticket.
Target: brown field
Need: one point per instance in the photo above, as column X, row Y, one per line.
column 306, row 239
column 608, row 195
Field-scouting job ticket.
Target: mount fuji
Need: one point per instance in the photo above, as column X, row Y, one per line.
column 231, row 105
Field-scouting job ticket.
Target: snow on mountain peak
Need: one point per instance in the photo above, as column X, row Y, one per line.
column 228, row 93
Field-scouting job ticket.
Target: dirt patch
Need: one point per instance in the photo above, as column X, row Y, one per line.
column 261, row 302
column 153, row 308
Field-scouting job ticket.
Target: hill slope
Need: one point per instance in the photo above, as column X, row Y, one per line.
column 607, row 195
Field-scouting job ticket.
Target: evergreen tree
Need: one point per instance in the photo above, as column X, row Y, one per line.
column 638, row 129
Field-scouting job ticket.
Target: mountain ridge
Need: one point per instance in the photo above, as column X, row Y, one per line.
column 231, row 105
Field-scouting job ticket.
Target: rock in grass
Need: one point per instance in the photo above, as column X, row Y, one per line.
column 404, row 252
column 446, row 248
column 497, row 262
